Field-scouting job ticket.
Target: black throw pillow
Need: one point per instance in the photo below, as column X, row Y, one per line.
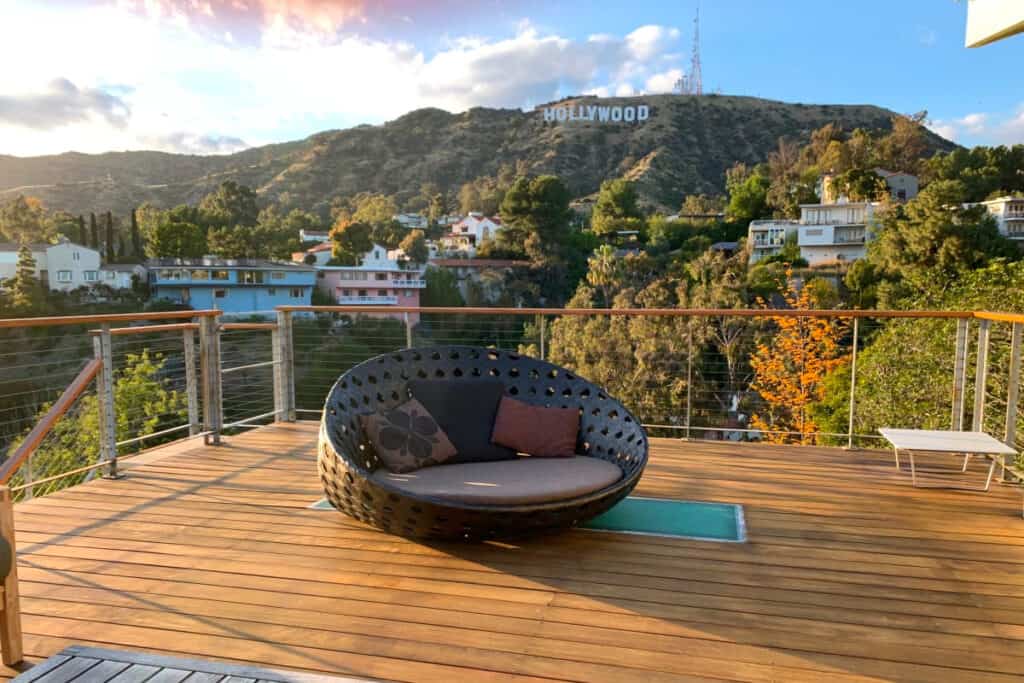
column 465, row 409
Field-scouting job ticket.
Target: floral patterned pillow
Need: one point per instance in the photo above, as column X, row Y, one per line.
column 407, row 437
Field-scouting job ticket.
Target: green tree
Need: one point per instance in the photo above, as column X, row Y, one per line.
column 94, row 232
column 173, row 233
column 442, row 288
column 136, row 236
column 144, row 403
column 860, row 185
column 350, row 241
column 931, row 240
column 26, row 294
column 748, row 193
column 375, row 209
column 24, row 219
column 109, row 238
column 83, row 238
column 415, row 246
column 230, row 205
column 616, row 208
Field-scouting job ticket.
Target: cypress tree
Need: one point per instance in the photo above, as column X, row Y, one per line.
column 136, row 237
column 120, row 247
column 83, row 239
column 110, row 238
column 25, row 287
column 94, row 232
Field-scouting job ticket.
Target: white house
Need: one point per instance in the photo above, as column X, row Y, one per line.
column 767, row 237
column 469, row 233
column 63, row 266
column 835, row 233
column 413, row 221
column 313, row 236
column 1009, row 215
column 119, row 275
column 321, row 254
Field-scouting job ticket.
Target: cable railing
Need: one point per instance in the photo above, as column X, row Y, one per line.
column 696, row 374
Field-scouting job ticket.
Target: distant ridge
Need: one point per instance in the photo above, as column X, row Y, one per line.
column 684, row 147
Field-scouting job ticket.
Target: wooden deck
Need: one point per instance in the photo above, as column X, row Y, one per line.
column 850, row 574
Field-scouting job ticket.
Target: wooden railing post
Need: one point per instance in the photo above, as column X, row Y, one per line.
column 105, row 398
column 981, row 377
column 689, row 375
column 275, row 344
column 287, row 365
column 191, row 382
column 209, row 362
column 960, row 374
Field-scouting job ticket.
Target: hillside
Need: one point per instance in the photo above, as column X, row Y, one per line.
column 685, row 147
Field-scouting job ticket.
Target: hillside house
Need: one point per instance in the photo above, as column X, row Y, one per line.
column 1009, row 215
column 231, row 285
column 382, row 278
column 62, row 267
column 467, row 235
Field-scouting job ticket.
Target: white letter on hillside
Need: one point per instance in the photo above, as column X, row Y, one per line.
column 616, row 113
column 602, row 113
column 561, row 113
column 591, row 112
column 629, row 114
column 643, row 112
column 549, row 114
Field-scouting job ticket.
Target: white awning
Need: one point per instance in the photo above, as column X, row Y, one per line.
column 992, row 20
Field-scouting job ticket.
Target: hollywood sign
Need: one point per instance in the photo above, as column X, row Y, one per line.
column 593, row 112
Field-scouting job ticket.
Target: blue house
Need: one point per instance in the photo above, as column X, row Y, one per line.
column 231, row 285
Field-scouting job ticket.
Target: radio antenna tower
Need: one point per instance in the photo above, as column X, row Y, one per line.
column 696, row 80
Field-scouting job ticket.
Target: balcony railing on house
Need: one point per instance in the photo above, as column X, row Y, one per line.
column 81, row 393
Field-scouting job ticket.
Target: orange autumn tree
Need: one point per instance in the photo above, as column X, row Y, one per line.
column 790, row 368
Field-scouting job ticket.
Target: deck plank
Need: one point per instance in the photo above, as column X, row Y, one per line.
column 851, row 574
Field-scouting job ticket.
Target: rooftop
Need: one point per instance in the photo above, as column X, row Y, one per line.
column 215, row 262
column 850, row 574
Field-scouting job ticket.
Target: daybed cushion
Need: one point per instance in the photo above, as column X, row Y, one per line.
column 465, row 409
column 407, row 437
column 537, row 430
column 507, row 482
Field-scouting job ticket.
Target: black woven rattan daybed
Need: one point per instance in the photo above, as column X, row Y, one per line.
column 352, row 474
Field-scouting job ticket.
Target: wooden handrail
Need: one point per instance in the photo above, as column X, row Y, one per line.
column 249, row 326
column 144, row 329
column 43, row 427
column 652, row 312
column 999, row 317
column 8, row 323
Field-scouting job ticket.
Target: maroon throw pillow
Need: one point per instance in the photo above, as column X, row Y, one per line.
column 407, row 438
column 536, row 430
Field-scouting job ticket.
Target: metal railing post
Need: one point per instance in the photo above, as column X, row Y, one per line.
column 408, row 330
column 105, row 399
column 981, row 377
column 543, row 334
column 689, row 376
column 210, row 370
column 853, row 383
column 275, row 343
column 1013, row 393
column 960, row 374
column 191, row 382
column 284, row 337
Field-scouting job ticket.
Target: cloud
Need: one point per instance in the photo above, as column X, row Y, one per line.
column 996, row 129
column 276, row 21
column 172, row 81
column 62, row 103
column 190, row 143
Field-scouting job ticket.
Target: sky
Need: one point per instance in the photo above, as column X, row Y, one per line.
column 216, row 76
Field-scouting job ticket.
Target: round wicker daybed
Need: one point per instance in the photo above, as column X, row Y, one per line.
column 350, row 470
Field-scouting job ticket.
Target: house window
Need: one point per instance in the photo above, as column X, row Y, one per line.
column 63, row 276
column 320, row 275
column 200, row 274
column 362, row 292
column 376, row 254
column 277, row 275
column 381, row 276
column 271, row 291
column 346, row 292
column 111, row 275
column 382, row 292
column 251, row 277
column 90, row 275
column 816, row 232
column 296, row 292
column 219, row 275
column 220, row 293
column 75, row 256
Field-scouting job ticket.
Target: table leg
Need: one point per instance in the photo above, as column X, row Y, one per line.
column 991, row 469
column 896, row 452
column 967, row 459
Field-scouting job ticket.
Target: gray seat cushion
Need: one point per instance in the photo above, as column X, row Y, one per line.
column 507, row 482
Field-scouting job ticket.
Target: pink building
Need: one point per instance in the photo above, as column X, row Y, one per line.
column 381, row 280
